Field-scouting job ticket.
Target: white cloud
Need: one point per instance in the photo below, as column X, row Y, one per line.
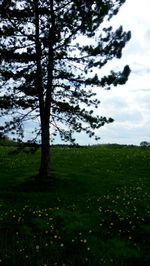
column 130, row 104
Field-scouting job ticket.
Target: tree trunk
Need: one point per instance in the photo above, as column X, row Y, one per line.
column 45, row 151
column 45, row 100
column 45, row 114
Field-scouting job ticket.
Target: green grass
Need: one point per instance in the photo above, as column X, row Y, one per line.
column 95, row 212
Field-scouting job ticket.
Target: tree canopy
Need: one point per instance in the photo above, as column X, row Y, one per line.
column 48, row 70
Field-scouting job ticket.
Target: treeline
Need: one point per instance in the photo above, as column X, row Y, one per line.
column 6, row 141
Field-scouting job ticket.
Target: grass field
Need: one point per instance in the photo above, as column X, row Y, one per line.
column 95, row 212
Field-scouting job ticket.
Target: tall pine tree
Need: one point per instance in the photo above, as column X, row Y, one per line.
column 48, row 71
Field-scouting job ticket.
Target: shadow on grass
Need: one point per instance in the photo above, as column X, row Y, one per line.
column 63, row 186
column 34, row 184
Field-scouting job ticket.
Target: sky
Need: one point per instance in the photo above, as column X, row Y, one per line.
column 129, row 104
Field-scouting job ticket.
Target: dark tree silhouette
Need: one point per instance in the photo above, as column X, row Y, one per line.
column 48, row 73
column 145, row 144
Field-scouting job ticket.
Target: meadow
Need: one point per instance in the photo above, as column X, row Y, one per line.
column 96, row 210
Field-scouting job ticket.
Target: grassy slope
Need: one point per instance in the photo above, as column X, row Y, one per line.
column 96, row 212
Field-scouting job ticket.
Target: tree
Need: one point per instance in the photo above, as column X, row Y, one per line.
column 48, row 73
column 145, row 144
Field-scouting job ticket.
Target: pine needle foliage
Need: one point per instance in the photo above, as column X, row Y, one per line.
column 48, row 71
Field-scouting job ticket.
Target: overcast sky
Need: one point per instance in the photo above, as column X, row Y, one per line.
column 129, row 104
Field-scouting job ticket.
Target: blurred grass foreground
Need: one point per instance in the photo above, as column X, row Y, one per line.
column 95, row 212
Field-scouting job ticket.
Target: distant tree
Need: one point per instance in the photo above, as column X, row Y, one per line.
column 48, row 73
column 145, row 144
column 1, row 136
